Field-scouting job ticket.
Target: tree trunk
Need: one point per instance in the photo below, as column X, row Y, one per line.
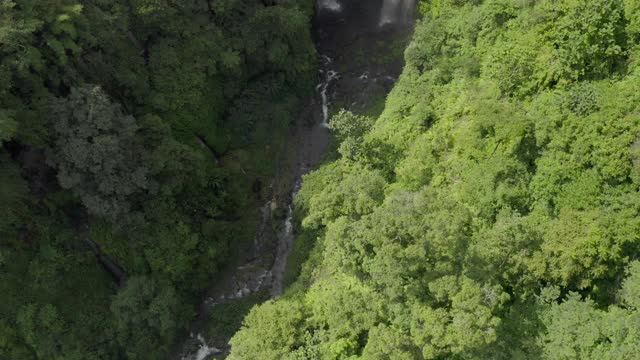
column 109, row 265
column 208, row 147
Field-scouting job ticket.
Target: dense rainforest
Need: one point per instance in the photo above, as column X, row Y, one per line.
column 492, row 211
column 133, row 135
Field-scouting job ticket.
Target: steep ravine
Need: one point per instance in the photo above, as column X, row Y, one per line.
column 360, row 45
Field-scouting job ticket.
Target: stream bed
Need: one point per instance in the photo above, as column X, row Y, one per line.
column 360, row 45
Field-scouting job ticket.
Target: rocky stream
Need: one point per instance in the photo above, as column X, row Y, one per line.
column 360, row 45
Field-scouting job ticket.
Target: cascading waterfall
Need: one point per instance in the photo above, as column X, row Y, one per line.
column 205, row 351
column 396, row 12
column 285, row 242
column 328, row 76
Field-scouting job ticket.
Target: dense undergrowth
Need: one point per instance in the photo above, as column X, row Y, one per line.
column 491, row 211
column 133, row 134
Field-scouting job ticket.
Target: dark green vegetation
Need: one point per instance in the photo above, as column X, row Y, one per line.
column 132, row 132
column 492, row 211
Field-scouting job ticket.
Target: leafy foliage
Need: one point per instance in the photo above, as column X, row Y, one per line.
column 115, row 117
column 147, row 316
column 506, row 208
column 99, row 153
column 578, row 330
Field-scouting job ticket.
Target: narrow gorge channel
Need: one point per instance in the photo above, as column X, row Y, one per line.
column 360, row 45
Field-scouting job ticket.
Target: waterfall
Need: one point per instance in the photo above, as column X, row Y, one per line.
column 328, row 75
column 332, row 5
column 285, row 242
column 396, row 11
column 204, row 351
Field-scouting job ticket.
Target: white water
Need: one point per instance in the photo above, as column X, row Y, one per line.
column 396, row 11
column 328, row 76
column 248, row 279
column 285, row 241
column 284, row 245
column 332, row 5
column 204, row 351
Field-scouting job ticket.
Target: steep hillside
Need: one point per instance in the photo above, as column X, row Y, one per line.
column 491, row 211
column 135, row 137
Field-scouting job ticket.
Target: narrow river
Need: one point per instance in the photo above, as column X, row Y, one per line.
column 360, row 45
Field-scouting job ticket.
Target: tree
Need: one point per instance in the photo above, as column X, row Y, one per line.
column 346, row 124
column 98, row 154
column 512, row 63
column 589, row 37
column 351, row 191
column 43, row 329
column 147, row 315
column 632, row 14
column 459, row 329
column 167, row 75
column 630, row 292
column 345, row 308
column 576, row 329
column 269, row 332
column 388, row 343
column 11, row 346
column 14, row 194
column 502, row 176
column 8, row 125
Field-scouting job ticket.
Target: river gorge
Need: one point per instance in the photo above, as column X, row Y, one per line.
column 360, row 47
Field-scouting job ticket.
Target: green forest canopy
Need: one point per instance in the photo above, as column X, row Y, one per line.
column 491, row 211
column 113, row 118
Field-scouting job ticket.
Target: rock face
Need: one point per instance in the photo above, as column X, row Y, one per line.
column 361, row 48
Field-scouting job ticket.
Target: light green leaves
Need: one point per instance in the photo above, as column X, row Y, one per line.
column 270, row 331
column 577, row 329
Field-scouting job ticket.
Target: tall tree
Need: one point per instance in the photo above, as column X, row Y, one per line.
column 98, row 154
